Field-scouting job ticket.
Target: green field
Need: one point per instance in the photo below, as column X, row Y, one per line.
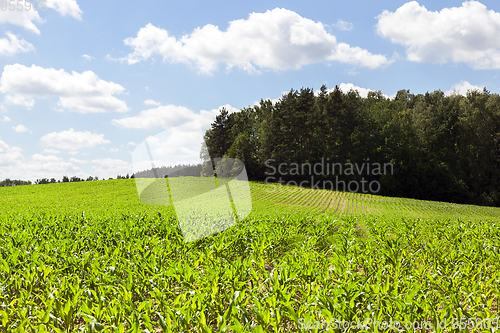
column 90, row 256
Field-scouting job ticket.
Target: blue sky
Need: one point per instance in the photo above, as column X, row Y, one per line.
column 83, row 83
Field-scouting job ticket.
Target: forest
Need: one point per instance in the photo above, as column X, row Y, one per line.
column 442, row 147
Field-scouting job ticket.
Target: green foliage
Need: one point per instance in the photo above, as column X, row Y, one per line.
column 89, row 256
column 443, row 148
column 14, row 182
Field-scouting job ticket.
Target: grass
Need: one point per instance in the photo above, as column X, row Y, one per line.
column 92, row 257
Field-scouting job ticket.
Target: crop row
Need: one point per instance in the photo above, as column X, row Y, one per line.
column 320, row 202
column 134, row 273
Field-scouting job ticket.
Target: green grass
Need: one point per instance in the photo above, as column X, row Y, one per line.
column 91, row 256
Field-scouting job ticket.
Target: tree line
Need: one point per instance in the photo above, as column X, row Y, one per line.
column 439, row 147
column 14, row 182
column 65, row 179
column 443, row 148
column 180, row 170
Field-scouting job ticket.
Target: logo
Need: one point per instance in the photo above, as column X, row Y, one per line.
column 166, row 173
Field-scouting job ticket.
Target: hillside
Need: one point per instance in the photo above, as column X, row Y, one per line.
column 108, row 196
column 90, row 256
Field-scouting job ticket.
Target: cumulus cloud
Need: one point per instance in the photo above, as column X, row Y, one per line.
column 152, row 102
column 467, row 34
column 111, row 167
column 50, row 151
column 461, row 88
column 24, row 18
column 278, row 39
column 18, row 99
column 12, row 45
column 343, row 25
column 72, row 140
column 170, row 116
column 28, row 19
column 13, row 165
column 273, row 100
column 86, row 57
column 48, row 166
column 83, row 93
column 93, row 104
column 5, row 118
column 208, row 116
column 74, row 160
column 346, row 87
column 21, row 129
column 179, row 145
column 38, row 166
column 10, row 155
column 181, row 140
column 358, row 56
column 163, row 116
column 66, row 7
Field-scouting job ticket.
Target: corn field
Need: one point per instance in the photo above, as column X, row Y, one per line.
column 90, row 257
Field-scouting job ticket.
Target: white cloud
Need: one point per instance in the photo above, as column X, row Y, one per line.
column 278, row 39
column 66, row 7
column 93, row 104
column 5, row 118
column 276, row 100
column 273, row 100
column 74, row 160
column 132, row 143
column 12, row 45
column 343, row 25
column 110, row 167
column 181, row 141
column 462, row 88
column 71, row 140
column 21, row 129
column 358, row 56
column 49, row 166
column 18, row 99
column 14, row 166
column 206, row 117
column 163, row 116
column 24, row 18
column 39, row 166
column 114, row 150
column 170, row 116
column 346, row 87
column 50, row 151
column 86, row 57
column 10, row 155
column 468, row 34
column 152, row 102
column 83, row 93
column 29, row 18
column 179, row 145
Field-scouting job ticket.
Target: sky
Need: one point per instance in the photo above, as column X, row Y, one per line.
column 84, row 83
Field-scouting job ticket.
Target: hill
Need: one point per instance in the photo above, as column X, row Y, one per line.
column 91, row 256
column 120, row 196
